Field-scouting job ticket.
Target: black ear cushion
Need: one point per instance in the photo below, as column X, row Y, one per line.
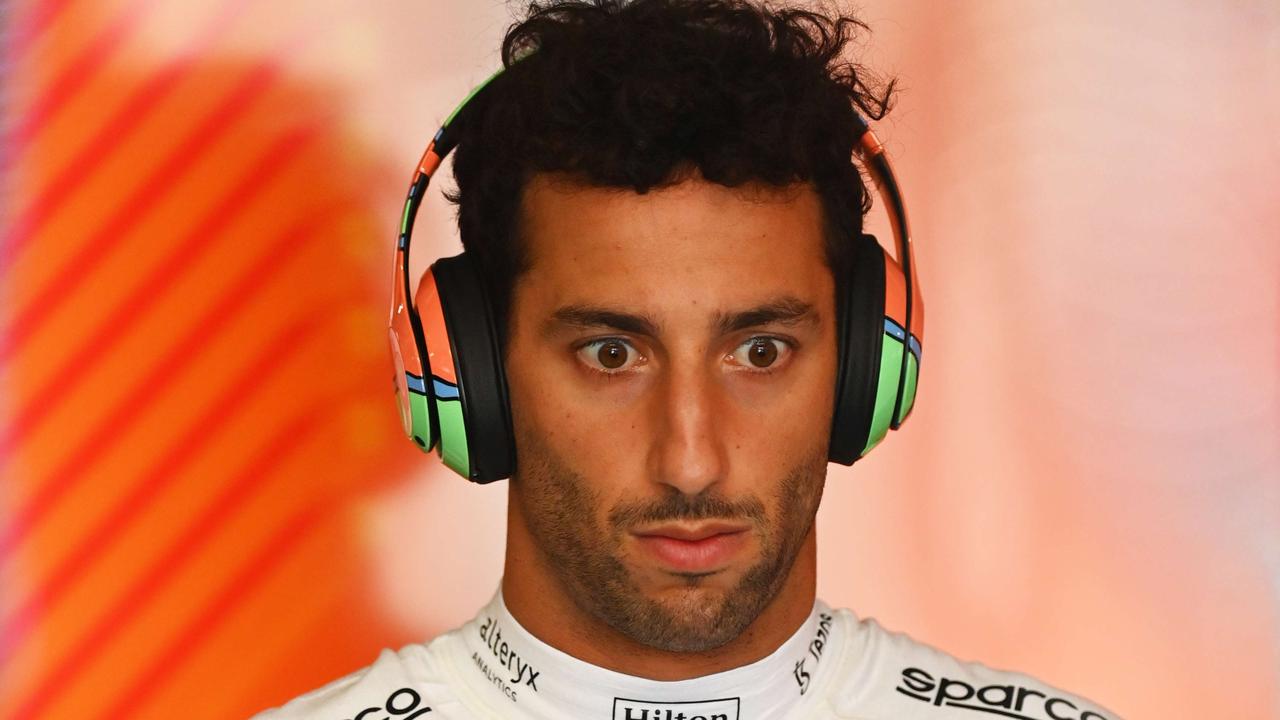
column 860, row 313
column 482, row 382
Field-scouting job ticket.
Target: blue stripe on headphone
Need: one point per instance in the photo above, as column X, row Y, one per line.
column 894, row 329
column 444, row 390
column 415, row 383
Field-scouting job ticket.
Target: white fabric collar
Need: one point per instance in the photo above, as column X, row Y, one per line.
column 511, row 666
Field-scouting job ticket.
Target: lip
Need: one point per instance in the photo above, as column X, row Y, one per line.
column 700, row 548
column 691, row 533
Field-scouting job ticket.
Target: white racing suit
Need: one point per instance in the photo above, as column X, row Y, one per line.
column 834, row 666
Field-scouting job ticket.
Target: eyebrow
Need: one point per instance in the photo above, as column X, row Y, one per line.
column 782, row 311
column 785, row 310
column 590, row 316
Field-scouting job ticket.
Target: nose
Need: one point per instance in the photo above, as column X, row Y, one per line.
column 689, row 454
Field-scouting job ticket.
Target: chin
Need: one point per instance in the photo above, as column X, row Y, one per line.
column 700, row 599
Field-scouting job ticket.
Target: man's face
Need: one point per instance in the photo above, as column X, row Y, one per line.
column 672, row 366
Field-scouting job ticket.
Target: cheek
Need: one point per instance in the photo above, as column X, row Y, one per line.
column 780, row 419
column 591, row 435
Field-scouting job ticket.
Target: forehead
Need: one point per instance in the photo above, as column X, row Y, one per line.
column 695, row 243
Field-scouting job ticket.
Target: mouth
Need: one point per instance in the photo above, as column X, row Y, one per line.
column 700, row 548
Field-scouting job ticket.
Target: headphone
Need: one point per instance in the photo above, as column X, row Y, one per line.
column 452, row 388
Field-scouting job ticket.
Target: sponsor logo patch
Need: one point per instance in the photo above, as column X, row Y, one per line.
column 1011, row 701
column 801, row 673
column 403, row 704
column 511, row 672
column 721, row 709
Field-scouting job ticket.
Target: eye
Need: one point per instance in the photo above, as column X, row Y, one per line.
column 760, row 353
column 610, row 355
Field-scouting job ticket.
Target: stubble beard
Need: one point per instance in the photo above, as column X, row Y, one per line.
column 560, row 509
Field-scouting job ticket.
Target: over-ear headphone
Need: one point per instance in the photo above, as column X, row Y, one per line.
column 452, row 387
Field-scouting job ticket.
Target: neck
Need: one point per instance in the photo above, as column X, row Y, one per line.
column 538, row 600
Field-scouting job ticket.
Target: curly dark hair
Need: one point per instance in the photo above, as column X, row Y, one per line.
column 640, row 94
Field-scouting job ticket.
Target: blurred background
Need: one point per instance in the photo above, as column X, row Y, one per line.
column 207, row 505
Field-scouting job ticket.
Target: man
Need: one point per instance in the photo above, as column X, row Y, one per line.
column 659, row 203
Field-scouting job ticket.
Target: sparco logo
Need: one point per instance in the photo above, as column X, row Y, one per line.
column 403, row 704
column 1008, row 700
column 722, row 709
column 819, row 641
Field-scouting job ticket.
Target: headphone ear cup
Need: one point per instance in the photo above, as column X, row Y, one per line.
column 862, row 373
column 475, row 423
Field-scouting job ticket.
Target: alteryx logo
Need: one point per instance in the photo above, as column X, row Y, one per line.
column 722, row 709
column 1012, row 701
column 521, row 672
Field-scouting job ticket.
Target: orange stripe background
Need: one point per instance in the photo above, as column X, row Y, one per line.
column 207, row 505
column 194, row 384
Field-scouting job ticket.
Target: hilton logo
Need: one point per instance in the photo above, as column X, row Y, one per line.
column 722, row 709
